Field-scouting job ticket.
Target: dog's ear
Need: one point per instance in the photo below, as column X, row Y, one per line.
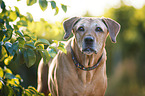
column 68, row 25
column 113, row 28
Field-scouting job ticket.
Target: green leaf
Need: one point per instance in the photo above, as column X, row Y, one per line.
column 41, row 94
column 17, row 11
column 64, row 7
column 3, row 54
column 12, row 81
column 1, row 84
column 56, row 10
column 19, row 33
column 29, row 16
column 7, row 70
column 52, row 47
column 31, row 2
column 9, row 76
column 15, row 46
column 61, row 44
column 52, row 52
column 9, row 47
column 41, row 41
column 29, row 57
column 19, row 58
column 19, row 77
column 30, row 45
column 27, row 37
column 32, row 89
column 8, row 35
column 3, row 5
column 26, row 56
column 21, row 41
column 62, row 49
column 22, row 23
column 1, row 72
column 40, row 46
column 45, row 56
column 27, row 92
column 53, row 4
column 43, row 4
column 15, row 27
column 8, row 60
column 55, row 41
column 9, row 26
column 12, row 16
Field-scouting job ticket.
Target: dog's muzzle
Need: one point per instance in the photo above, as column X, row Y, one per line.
column 88, row 45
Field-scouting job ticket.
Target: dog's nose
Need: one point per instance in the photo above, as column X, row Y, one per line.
column 89, row 39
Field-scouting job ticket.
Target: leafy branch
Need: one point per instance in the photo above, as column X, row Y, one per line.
column 19, row 45
column 44, row 4
column 10, row 85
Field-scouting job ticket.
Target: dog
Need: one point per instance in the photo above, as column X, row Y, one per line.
column 82, row 70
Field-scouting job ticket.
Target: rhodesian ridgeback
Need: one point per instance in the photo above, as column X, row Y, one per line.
column 82, row 71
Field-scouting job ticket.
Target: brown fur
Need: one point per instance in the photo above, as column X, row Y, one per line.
column 64, row 79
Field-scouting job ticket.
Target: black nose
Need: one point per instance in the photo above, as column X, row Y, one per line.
column 89, row 39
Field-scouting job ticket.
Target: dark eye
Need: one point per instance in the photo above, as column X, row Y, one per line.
column 98, row 29
column 81, row 29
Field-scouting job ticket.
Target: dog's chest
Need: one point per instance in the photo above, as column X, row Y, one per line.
column 76, row 82
column 78, row 86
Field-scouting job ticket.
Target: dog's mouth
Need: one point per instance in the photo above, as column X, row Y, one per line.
column 89, row 51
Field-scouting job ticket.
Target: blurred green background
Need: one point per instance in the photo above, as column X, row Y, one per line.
column 125, row 59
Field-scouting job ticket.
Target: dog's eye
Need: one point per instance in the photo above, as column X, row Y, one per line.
column 98, row 29
column 81, row 29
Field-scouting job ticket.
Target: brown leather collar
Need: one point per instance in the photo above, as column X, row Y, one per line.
column 80, row 66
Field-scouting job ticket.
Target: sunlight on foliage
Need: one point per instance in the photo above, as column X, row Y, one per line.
column 10, row 85
column 21, row 43
column 8, row 59
column 47, row 30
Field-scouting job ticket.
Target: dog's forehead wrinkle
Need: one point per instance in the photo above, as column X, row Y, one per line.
column 89, row 22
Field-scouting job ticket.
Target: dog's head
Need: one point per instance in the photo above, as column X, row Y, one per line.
column 91, row 33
